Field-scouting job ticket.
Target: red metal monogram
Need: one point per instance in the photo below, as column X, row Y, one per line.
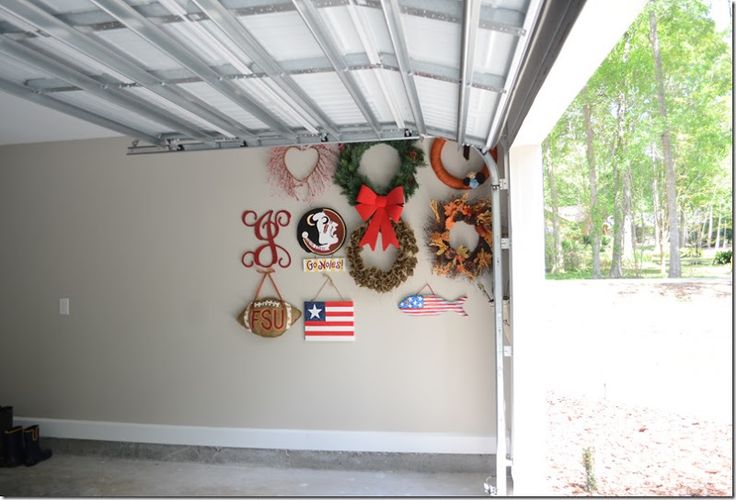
column 267, row 227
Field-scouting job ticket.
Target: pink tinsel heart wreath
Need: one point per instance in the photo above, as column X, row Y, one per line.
column 281, row 178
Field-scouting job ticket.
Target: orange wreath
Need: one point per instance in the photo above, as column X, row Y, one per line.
column 471, row 181
column 461, row 261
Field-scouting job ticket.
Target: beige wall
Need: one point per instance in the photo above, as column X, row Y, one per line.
column 148, row 250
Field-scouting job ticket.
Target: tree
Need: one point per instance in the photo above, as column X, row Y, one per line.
column 595, row 213
column 674, row 270
column 556, row 261
column 696, row 67
column 616, row 270
column 657, row 219
column 646, row 140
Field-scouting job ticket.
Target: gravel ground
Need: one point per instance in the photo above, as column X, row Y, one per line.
column 636, row 451
column 643, row 377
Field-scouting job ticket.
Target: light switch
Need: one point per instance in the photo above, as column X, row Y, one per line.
column 64, row 306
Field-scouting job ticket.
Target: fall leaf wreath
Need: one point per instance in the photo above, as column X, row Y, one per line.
column 350, row 179
column 460, row 261
column 378, row 279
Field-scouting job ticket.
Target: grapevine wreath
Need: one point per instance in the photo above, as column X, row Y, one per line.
column 350, row 179
column 461, row 261
column 378, row 279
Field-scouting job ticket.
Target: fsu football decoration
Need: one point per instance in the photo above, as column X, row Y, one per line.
column 269, row 316
column 329, row 320
column 321, row 231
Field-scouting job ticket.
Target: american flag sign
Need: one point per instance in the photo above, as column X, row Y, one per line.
column 329, row 321
column 430, row 305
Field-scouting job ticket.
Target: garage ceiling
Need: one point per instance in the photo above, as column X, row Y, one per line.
column 202, row 74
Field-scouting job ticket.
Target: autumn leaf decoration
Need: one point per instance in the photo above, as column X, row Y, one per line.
column 441, row 241
column 435, row 210
column 460, row 261
column 484, row 260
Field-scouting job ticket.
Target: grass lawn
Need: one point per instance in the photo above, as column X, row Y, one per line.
column 692, row 267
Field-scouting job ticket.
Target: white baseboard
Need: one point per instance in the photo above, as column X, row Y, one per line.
column 280, row 439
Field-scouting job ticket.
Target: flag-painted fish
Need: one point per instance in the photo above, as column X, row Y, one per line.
column 430, row 305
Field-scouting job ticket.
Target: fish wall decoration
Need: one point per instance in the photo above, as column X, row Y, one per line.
column 431, row 305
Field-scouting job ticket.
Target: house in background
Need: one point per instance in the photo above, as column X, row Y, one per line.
column 143, row 239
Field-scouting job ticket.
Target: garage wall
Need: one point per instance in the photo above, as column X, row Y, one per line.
column 148, row 250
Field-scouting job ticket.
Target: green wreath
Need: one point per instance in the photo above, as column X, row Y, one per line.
column 350, row 179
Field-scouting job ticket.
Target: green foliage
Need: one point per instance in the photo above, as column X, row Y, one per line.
column 702, row 267
column 693, row 252
column 590, row 482
column 584, row 274
column 572, row 255
column 548, row 251
column 349, row 178
column 724, row 257
column 621, row 97
column 605, row 241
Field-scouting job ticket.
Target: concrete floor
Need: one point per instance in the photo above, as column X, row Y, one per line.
column 75, row 475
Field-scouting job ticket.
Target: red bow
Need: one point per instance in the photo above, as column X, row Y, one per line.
column 383, row 209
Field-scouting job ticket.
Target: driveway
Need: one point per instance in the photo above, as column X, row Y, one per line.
column 640, row 373
column 663, row 344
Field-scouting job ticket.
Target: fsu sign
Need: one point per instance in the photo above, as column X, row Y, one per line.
column 324, row 265
column 321, row 231
column 270, row 317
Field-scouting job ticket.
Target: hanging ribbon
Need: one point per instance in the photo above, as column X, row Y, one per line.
column 381, row 210
column 267, row 274
column 426, row 285
column 327, row 280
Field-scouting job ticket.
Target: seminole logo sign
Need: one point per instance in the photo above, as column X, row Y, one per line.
column 321, row 231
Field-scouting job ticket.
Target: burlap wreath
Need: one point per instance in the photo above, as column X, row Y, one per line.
column 461, row 261
column 378, row 279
